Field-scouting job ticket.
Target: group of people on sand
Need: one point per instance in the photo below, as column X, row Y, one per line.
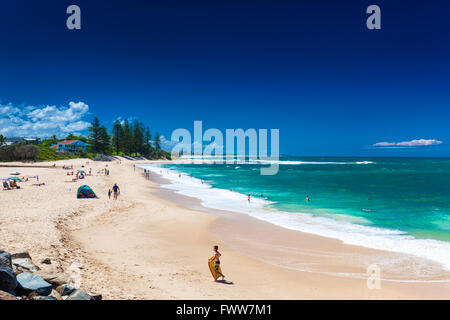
column 104, row 171
column 147, row 174
column 12, row 185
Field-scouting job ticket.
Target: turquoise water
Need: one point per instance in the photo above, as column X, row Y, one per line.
column 410, row 195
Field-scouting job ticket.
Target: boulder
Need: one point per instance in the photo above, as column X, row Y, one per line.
column 5, row 259
column 65, row 289
column 56, row 295
column 96, row 296
column 79, row 295
column 22, row 262
column 54, row 277
column 8, row 280
column 44, row 298
column 28, row 282
column 6, row 296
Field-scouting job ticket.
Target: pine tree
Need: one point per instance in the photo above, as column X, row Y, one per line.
column 138, row 137
column 147, row 146
column 117, row 138
column 127, row 138
column 94, row 136
column 105, row 140
column 157, row 142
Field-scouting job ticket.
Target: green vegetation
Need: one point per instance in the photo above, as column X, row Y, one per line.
column 48, row 154
column 127, row 139
column 19, row 152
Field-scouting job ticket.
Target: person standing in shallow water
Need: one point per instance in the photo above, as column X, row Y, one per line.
column 217, row 256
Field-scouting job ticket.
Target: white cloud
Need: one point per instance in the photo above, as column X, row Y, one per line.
column 43, row 121
column 408, row 144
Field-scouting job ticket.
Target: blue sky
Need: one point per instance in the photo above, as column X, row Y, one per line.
column 310, row 68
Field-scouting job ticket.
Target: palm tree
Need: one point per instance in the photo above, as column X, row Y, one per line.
column 2, row 140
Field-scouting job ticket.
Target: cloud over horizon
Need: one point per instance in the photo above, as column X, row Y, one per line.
column 408, row 144
column 43, row 121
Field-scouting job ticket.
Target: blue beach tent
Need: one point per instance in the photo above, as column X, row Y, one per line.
column 85, row 192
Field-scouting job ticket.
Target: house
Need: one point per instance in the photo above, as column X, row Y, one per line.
column 70, row 146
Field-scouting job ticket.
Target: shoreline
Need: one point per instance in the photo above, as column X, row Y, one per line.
column 431, row 271
column 143, row 246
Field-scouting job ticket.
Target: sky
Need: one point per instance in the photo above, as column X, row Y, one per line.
column 309, row 68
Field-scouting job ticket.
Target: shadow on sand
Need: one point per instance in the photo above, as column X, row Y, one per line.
column 225, row 282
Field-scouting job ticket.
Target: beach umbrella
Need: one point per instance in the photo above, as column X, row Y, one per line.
column 14, row 178
column 81, row 171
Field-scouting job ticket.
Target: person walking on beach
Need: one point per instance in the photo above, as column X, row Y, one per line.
column 109, row 193
column 249, row 198
column 116, row 191
column 217, row 269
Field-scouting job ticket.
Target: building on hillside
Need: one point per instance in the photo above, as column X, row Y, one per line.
column 70, row 146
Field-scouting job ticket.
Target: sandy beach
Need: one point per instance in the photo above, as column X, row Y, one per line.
column 153, row 244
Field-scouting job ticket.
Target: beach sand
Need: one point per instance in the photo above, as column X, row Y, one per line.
column 152, row 244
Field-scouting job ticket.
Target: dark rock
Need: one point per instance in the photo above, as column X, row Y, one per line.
column 5, row 259
column 28, row 282
column 6, row 296
column 96, row 296
column 44, row 298
column 79, row 295
column 8, row 280
column 22, row 262
column 46, row 261
column 65, row 289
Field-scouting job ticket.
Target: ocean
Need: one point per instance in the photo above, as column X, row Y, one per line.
column 394, row 204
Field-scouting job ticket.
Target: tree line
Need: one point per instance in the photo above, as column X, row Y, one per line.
column 126, row 139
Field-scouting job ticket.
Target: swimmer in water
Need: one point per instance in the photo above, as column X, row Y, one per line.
column 307, row 198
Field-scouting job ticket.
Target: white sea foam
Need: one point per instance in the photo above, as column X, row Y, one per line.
column 288, row 162
column 349, row 233
column 241, row 160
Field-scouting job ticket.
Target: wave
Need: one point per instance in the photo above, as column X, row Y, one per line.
column 288, row 162
column 344, row 230
column 259, row 161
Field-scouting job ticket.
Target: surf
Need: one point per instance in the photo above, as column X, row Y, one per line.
column 346, row 229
